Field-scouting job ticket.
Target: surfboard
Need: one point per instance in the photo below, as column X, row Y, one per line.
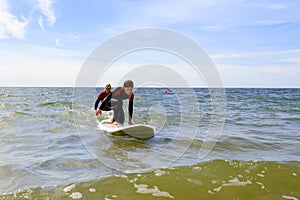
column 136, row 130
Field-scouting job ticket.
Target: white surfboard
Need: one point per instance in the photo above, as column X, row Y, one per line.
column 136, row 130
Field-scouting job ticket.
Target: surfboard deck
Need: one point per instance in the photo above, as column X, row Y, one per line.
column 136, row 130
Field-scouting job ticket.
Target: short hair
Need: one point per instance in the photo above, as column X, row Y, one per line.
column 107, row 86
column 128, row 83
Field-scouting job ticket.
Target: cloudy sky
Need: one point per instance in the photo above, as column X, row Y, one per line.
column 252, row 43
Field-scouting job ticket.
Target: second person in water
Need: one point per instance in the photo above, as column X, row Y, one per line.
column 114, row 101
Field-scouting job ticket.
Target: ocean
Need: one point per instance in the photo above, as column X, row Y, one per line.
column 52, row 148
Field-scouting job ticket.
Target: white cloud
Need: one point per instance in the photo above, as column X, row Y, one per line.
column 12, row 26
column 259, row 69
column 272, row 22
column 259, row 76
column 38, row 66
column 293, row 60
column 9, row 23
column 41, row 24
column 57, row 41
column 74, row 36
column 46, row 8
column 270, row 57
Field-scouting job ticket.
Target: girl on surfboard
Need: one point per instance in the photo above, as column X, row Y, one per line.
column 114, row 101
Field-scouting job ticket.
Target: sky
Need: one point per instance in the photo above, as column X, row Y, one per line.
column 252, row 43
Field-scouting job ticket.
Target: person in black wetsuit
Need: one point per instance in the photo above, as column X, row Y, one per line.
column 102, row 95
column 114, row 101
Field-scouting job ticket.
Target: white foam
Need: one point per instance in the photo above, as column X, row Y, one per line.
column 197, row 169
column 69, row 188
column 143, row 189
column 134, row 180
column 113, row 196
column 289, row 197
column 261, row 185
column 218, row 189
column 195, row 181
column 261, row 175
column 159, row 172
column 124, row 176
column 92, row 190
column 237, row 182
column 25, row 196
column 76, row 195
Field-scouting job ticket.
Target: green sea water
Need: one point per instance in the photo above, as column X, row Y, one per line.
column 218, row 179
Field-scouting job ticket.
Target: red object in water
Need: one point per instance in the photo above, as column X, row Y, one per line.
column 166, row 92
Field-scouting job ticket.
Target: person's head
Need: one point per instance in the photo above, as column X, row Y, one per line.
column 128, row 86
column 107, row 87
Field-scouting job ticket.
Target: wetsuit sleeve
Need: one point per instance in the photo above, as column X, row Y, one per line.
column 130, row 106
column 97, row 103
column 100, row 98
column 105, row 101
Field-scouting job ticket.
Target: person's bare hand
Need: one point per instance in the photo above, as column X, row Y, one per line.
column 98, row 112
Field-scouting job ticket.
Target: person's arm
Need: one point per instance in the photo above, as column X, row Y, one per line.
column 97, row 103
column 105, row 101
column 130, row 109
column 100, row 97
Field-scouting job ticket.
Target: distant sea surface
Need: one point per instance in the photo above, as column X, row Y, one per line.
column 51, row 146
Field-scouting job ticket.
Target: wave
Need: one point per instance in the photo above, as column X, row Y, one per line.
column 55, row 104
column 217, row 179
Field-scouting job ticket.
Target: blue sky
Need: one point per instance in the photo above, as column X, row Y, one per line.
column 252, row 43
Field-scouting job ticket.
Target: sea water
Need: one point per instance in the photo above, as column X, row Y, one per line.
column 51, row 147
